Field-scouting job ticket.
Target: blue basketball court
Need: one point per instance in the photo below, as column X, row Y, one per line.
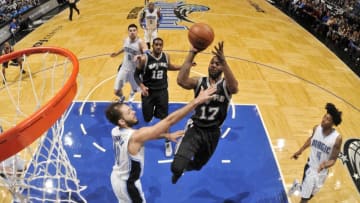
column 243, row 168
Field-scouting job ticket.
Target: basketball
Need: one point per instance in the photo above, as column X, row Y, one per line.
column 200, row 35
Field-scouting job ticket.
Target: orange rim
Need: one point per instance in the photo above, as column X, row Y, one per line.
column 27, row 131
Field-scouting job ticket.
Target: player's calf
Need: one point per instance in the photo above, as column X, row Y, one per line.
column 178, row 167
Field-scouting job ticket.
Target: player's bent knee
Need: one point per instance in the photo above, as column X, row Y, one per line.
column 179, row 164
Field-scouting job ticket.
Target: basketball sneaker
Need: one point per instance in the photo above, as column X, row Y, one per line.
column 121, row 99
column 168, row 148
column 295, row 188
column 132, row 96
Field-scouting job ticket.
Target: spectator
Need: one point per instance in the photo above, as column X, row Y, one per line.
column 14, row 28
column 337, row 22
column 11, row 9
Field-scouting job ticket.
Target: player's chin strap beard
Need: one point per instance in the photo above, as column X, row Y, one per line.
column 215, row 76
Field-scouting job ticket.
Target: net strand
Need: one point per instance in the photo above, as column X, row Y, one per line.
column 48, row 175
column 33, row 88
column 44, row 77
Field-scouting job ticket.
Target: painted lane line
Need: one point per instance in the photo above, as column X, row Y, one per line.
column 226, row 161
column 225, row 133
column 83, row 129
column 165, row 161
column 99, row 147
column 233, row 110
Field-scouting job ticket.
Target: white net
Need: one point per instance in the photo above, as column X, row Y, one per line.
column 42, row 171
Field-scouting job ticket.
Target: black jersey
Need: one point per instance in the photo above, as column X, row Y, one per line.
column 213, row 113
column 154, row 75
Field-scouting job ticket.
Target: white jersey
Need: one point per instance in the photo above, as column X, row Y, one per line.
column 151, row 19
column 131, row 48
column 321, row 147
column 129, row 167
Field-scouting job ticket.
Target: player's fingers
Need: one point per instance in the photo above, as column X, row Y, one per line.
column 215, row 53
column 221, row 45
column 216, row 49
column 176, row 135
column 211, row 90
column 179, row 133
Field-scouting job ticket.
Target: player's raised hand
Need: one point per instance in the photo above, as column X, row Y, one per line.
column 205, row 95
column 219, row 52
column 194, row 50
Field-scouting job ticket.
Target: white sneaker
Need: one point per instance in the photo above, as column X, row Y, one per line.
column 168, row 149
column 132, row 96
column 295, row 188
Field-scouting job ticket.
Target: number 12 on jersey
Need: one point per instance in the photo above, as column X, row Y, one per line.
column 157, row 74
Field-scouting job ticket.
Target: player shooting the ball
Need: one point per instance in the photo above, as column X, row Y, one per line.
column 203, row 128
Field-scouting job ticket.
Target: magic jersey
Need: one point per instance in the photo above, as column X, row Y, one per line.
column 154, row 74
column 131, row 48
column 321, row 147
column 212, row 113
column 129, row 167
column 151, row 19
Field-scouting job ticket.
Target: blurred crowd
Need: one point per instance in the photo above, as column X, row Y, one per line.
column 10, row 9
column 336, row 21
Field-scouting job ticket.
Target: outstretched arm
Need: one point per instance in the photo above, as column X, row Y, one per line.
column 183, row 78
column 231, row 82
column 159, row 130
column 306, row 145
column 117, row 53
column 172, row 66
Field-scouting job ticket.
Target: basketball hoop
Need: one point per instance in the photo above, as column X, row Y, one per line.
column 47, row 175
